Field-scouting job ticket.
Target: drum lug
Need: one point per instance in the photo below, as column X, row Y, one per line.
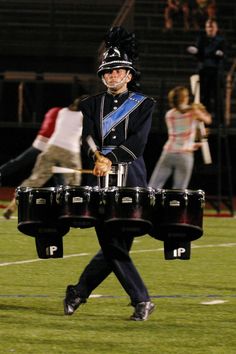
column 51, row 199
column 30, row 198
column 186, row 199
column 152, row 199
column 88, row 196
column 163, row 199
column 58, row 201
column 66, row 197
column 117, row 197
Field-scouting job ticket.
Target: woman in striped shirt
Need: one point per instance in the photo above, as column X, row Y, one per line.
column 177, row 157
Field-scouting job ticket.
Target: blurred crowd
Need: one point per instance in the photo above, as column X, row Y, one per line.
column 194, row 13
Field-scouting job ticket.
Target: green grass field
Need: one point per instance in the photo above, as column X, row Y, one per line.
column 186, row 320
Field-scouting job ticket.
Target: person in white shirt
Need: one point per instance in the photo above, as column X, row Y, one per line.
column 21, row 165
column 63, row 149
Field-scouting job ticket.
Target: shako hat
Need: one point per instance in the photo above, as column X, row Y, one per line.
column 120, row 51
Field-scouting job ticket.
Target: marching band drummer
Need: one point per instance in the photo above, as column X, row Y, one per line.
column 119, row 121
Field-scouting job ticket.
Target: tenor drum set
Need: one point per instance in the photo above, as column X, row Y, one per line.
column 172, row 216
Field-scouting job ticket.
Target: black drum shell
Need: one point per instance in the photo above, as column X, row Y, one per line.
column 128, row 210
column 38, row 212
column 178, row 214
column 79, row 206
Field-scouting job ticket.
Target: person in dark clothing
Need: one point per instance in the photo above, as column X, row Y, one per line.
column 209, row 50
column 119, row 121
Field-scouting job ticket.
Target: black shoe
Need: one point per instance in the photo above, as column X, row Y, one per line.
column 7, row 214
column 72, row 301
column 142, row 311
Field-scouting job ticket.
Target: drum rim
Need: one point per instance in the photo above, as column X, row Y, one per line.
column 136, row 189
column 31, row 189
column 68, row 187
column 193, row 191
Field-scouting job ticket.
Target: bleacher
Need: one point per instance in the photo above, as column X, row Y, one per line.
column 63, row 37
column 53, row 31
column 164, row 61
column 49, row 44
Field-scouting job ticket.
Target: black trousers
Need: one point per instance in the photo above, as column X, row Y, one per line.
column 212, row 92
column 19, row 168
column 21, row 165
column 113, row 257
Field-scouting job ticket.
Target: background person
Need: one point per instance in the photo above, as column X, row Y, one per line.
column 209, row 51
column 63, row 149
column 177, row 156
column 24, row 163
column 202, row 11
column 173, row 9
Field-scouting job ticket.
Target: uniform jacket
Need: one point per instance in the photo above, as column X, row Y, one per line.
column 127, row 140
column 207, row 48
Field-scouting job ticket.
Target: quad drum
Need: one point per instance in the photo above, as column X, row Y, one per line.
column 38, row 217
column 38, row 211
column 177, row 219
column 128, row 209
column 172, row 216
column 178, row 214
column 79, row 206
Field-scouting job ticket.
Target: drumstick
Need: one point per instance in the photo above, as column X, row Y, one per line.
column 58, row 169
column 93, row 147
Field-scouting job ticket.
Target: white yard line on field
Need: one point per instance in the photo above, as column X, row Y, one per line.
column 137, row 251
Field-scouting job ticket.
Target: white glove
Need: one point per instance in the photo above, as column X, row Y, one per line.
column 219, row 53
column 192, row 50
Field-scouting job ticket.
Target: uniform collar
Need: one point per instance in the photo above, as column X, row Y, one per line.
column 120, row 95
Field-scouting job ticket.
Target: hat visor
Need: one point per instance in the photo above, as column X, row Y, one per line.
column 115, row 65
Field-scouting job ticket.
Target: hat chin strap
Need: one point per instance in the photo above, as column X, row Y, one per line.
column 118, row 83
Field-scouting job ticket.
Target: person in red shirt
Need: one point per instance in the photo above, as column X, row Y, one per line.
column 202, row 11
column 26, row 160
column 175, row 8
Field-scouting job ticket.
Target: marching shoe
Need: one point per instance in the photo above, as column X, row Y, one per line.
column 10, row 209
column 72, row 301
column 7, row 213
column 142, row 311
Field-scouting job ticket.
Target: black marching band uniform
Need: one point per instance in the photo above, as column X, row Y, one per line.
column 119, row 125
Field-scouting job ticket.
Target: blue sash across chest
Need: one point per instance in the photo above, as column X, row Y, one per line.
column 116, row 117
